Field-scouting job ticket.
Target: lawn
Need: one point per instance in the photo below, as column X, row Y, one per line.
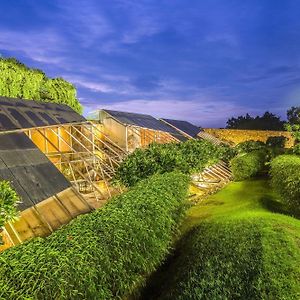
column 237, row 244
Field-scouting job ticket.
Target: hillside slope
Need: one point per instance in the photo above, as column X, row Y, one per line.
column 238, row 244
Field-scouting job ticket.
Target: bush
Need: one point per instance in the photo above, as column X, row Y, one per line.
column 102, row 255
column 296, row 149
column 250, row 258
column 276, row 141
column 249, row 146
column 285, row 174
column 9, row 201
column 188, row 157
column 248, row 165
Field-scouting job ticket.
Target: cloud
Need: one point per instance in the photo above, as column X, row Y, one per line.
column 85, row 21
column 91, row 85
column 41, row 46
column 204, row 113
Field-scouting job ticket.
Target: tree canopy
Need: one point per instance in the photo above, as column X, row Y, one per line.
column 19, row 81
column 267, row 121
column 293, row 115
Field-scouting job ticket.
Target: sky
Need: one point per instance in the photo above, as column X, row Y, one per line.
column 202, row 61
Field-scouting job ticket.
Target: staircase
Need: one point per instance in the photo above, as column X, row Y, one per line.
column 212, row 178
column 209, row 137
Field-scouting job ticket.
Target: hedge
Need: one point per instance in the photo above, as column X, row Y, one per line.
column 248, row 165
column 187, row 157
column 276, row 141
column 245, row 258
column 102, row 255
column 285, row 179
column 249, row 146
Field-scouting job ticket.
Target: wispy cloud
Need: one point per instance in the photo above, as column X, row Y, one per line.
column 41, row 46
column 205, row 112
column 88, row 84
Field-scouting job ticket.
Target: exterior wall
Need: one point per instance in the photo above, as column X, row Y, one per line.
column 47, row 147
column 236, row 136
column 115, row 131
column 45, row 217
column 6, row 240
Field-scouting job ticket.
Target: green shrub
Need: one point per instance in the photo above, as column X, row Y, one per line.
column 249, row 146
column 187, row 157
column 296, row 149
column 276, row 141
column 20, row 81
column 227, row 152
column 9, row 201
column 248, row 259
column 285, row 174
column 248, row 165
column 102, row 255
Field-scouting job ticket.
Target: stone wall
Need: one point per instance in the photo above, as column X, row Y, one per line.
column 236, row 136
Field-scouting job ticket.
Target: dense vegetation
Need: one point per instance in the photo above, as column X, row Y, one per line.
column 102, row 255
column 187, row 157
column 293, row 115
column 248, row 165
column 238, row 245
column 295, row 130
column 285, row 173
column 249, row 146
column 19, row 81
column 9, row 201
column 267, row 121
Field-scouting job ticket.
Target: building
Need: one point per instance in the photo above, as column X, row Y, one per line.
column 133, row 130
column 58, row 162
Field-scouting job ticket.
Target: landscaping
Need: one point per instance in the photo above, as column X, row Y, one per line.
column 237, row 244
column 188, row 157
column 285, row 173
column 106, row 254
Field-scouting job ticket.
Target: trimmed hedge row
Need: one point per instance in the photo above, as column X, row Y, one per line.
column 187, row 157
column 102, row 255
column 247, row 258
column 249, row 146
column 248, row 165
column 285, row 179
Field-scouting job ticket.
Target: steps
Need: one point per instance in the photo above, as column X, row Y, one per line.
column 206, row 136
column 212, row 178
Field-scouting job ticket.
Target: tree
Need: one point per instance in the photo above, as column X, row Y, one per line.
column 19, row 81
column 293, row 126
column 267, row 121
column 9, row 201
column 293, row 115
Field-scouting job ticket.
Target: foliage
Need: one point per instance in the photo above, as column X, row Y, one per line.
column 295, row 131
column 102, row 255
column 19, row 81
column 227, row 153
column 248, row 165
column 285, row 174
column 249, row 146
column 9, row 201
column 276, row 141
column 267, row 121
column 236, row 246
column 187, row 157
column 293, row 115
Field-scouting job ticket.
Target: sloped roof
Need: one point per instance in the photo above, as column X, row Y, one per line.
column 21, row 114
column 184, row 126
column 144, row 121
column 30, row 172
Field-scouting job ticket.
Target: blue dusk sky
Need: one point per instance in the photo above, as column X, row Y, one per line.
column 197, row 60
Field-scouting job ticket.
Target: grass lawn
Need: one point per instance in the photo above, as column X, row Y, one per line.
column 237, row 244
